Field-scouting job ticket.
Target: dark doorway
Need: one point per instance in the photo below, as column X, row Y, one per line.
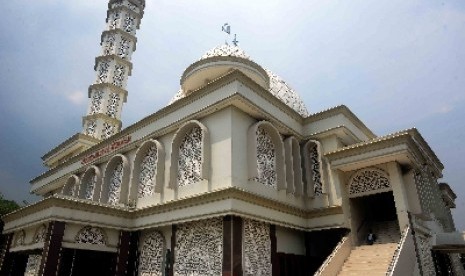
column 87, row 262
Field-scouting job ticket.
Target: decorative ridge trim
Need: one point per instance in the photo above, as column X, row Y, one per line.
column 373, row 141
column 395, row 257
column 68, row 141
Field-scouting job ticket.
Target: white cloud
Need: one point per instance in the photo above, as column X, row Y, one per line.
column 76, row 97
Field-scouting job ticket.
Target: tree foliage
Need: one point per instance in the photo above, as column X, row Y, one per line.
column 7, row 206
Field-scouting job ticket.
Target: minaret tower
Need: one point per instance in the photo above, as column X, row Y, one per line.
column 112, row 68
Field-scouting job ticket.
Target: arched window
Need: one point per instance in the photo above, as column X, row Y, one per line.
column 293, row 166
column 190, row 155
column 115, row 187
column 152, row 254
column 71, row 188
column 91, row 235
column 369, row 181
column 40, row 234
column 148, row 171
column 19, row 237
column 90, row 181
column 313, row 168
column 266, row 156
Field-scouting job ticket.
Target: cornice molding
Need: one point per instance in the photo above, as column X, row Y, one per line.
column 184, row 203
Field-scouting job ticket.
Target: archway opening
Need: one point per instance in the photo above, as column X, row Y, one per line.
column 375, row 212
column 87, row 262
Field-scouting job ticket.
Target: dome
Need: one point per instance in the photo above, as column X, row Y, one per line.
column 221, row 59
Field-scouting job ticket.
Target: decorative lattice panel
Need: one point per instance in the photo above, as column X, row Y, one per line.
column 151, row 256
column 91, row 235
column 90, row 187
column 426, row 258
column 266, row 159
column 315, row 167
column 148, row 168
column 369, row 180
column 257, row 248
column 33, row 265
column 114, row 190
column 190, row 158
column 199, row 248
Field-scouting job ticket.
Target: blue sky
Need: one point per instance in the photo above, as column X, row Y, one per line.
column 396, row 64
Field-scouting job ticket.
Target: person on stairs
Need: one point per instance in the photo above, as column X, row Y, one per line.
column 371, row 237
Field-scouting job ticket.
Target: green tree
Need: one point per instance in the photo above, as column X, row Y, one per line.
column 7, row 206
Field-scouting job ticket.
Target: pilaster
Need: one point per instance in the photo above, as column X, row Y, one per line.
column 126, row 261
column 400, row 193
column 52, row 249
column 232, row 246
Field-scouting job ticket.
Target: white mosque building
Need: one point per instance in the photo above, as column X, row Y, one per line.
column 233, row 177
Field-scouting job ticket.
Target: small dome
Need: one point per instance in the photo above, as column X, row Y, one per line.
column 277, row 86
column 225, row 51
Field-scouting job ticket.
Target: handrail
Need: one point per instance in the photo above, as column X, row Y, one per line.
column 331, row 256
column 395, row 257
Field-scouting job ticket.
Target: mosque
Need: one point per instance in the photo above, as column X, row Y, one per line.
column 233, row 177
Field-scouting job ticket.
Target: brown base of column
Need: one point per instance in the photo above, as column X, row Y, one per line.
column 232, row 246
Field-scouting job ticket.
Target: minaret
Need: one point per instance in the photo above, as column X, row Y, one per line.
column 112, row 68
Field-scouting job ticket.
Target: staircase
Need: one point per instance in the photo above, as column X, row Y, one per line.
column 374, row 259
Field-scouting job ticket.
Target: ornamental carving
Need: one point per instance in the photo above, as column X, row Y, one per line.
column 108, row 130
column 96, row 103
column 113, row 103
column 151, row 257
column 20, row 236
column 369, row 180
column 33, row 265
column 257, row 248
column 266, row 159
column 315, row 168
column 190, row 157
column 116, row 179
column 90, row 186
column 118, row 75
column 129, row 23
column 123, row 50
column 426, row 258
column 126, row 4
column 91, row 126
column 40, row 234
column 91, row 235
column 109, row 44
column 148, row 168
column 199, row 248
column 113, row 22
column 102, row 71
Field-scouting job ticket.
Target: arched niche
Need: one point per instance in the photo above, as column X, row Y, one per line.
column 293, row 166
column 266, row 155
column 313, row 168
column 368, row 181
column 90, row 185
column 40, row 234
column 71, row 187
column 185, row 141
column 115, row 186
column 148, row 170
column 91, row 235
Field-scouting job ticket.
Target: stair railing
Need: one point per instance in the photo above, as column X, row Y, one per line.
column 395, row 257
column 334, row 262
